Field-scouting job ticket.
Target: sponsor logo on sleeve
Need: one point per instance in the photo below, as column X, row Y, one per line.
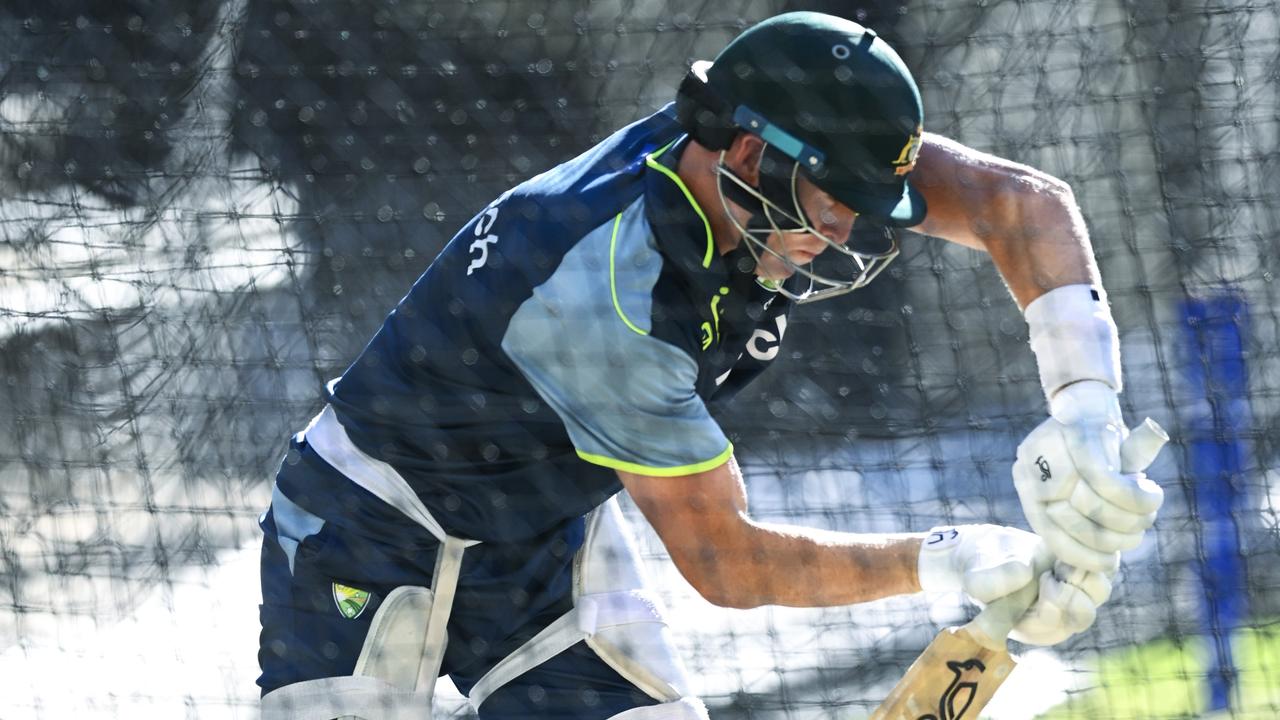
column 484, row 238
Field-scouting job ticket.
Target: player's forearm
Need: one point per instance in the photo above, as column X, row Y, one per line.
column 1041, row 243
column 807, row 567
column 1027, row 220
column 735, row 561
column 768, row 564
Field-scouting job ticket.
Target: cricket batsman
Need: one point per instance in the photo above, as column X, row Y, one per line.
column 451, row 509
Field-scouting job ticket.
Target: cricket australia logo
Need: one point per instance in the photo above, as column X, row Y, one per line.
column 351, row 601
column 483, row 240
column 906, row 161
column 959, row 695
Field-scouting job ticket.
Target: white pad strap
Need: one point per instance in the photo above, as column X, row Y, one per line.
column 329, row 439
column 395, row 675
column 395, row 644
column 591, row 614
column 444, row 584
column 553, row 640
column 682, row 709
column 396, row 672
column 1073, row 338
column 350, row 696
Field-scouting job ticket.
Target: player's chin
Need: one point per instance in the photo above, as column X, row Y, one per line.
column 776, row 270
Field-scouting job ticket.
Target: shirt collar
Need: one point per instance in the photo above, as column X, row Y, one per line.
column 683, row 234
column 680, row 225
column 682, row 229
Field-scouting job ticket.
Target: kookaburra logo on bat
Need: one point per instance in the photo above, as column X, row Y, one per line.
column 957, row 698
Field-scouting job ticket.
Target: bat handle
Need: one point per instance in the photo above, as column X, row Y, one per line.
column 1141, row 447
column 992, row 626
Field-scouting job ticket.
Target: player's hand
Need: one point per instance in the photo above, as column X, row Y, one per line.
column 987, row 562
column 1069, row 480
column 1063, row 608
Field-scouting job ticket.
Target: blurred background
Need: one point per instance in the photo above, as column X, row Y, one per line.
column 206, row 208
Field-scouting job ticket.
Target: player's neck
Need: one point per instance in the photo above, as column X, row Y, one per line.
column 697, row 168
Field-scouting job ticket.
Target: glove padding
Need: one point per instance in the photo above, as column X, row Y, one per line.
column 988, row 562
column 1063, row 608
column 1069, row 481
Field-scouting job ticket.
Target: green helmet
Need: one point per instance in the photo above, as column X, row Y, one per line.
column 836, row 98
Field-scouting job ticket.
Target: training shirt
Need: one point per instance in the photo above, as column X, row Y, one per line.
column 580, row 323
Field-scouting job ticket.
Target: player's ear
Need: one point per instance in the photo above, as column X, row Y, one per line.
column 743, row 157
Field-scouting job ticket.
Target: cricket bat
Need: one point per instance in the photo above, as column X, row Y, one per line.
column 961, row 670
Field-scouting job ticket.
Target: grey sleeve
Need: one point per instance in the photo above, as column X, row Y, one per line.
column 582, row 340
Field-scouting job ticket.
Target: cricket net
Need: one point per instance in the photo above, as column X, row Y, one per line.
column 207, row 208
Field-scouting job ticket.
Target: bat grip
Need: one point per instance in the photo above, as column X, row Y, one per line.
column 1141, row 447
column 992, row 626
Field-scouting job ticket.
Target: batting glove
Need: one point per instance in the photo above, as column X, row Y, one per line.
column 1070, row 483
column 986, row 562
column 1062, row 608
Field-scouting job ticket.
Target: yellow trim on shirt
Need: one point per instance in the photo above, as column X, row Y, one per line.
column 613, row 283
column 639, row 469
column 651, row 160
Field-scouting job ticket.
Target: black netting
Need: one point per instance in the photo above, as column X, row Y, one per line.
column 207, row 208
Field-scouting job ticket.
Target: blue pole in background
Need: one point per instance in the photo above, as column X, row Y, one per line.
column 1214, row 330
